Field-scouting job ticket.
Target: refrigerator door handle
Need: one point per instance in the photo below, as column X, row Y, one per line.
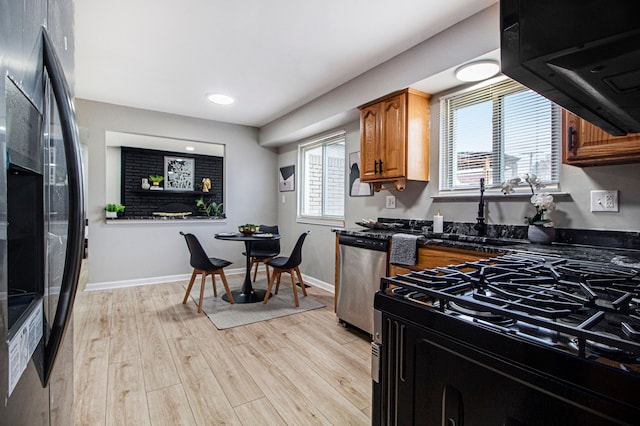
column 75, row 240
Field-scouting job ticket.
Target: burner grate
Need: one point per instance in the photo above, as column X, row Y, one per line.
column 594, row 303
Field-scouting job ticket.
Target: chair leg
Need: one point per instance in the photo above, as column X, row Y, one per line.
column 304, row 290
column 204, row 278
column 256, row 263
column 226, row 286
column 193, row 278
column 293, row 286
column 278, row 283
column 267, row 268
column 273, row 278
column 213, row 281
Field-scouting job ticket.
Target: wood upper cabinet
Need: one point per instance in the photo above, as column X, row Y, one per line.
column 394, row 139
column 434, row 257
column 584, row 144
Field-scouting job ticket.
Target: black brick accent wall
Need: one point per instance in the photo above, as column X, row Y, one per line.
column 138, row 163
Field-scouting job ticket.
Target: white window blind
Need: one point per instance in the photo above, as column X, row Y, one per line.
column 323, row 178
column 498, row 130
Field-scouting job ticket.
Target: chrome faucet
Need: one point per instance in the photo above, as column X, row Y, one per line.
column 480, row 226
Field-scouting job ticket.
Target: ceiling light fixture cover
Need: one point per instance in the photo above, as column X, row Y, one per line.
column 190, row 148
column 218, row 98
column 476, row 71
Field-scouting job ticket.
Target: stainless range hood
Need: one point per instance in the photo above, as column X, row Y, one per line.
column 582, row 55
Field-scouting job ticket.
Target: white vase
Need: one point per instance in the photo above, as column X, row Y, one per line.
column 112, row 215
column 541, row 234
column 145, row 183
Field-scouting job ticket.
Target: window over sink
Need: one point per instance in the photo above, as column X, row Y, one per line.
column 498, row 129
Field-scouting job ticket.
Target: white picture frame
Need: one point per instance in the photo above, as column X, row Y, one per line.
column 179, row 173
column 287, row 178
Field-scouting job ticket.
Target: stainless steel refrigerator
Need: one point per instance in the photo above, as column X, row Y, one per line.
column 41, row 212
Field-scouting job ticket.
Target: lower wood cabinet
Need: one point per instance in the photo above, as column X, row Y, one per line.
column 436, row 256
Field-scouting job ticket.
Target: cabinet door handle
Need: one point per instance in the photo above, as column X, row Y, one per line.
column 375, row 167
column 380, row 166
column 570, row 135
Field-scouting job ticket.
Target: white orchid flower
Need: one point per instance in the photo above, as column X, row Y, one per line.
column 542, row 202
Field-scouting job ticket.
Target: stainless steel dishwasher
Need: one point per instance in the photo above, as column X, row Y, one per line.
column 363, row 261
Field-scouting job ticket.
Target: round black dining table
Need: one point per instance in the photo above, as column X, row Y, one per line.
column 247, row 294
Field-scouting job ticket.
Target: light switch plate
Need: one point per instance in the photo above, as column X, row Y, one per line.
column 391, row 202
column 604, row 201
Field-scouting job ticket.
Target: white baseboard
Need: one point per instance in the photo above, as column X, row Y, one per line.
column 109, row 285
column 317, row 283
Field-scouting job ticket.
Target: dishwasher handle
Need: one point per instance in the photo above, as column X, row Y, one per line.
column 363, row 242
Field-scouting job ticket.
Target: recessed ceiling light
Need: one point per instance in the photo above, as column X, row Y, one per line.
column 221, row 99
column 476, row 71
column 190, row 148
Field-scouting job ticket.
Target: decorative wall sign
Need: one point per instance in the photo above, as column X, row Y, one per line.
column 178, row 173
column 357, row 188
column 287, row 178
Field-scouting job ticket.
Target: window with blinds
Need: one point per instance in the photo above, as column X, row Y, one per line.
column 322, row 178
column 498, row 130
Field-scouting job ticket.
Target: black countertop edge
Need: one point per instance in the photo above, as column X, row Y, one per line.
column 164, row 218
column 618, row 256
column 592, row 237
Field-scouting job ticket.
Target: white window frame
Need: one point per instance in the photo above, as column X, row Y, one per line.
column 324, row 219
column 446, row 161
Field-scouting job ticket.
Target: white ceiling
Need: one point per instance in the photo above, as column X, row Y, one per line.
column 271, row 56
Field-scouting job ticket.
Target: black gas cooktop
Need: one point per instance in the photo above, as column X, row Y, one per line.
column 588, row 309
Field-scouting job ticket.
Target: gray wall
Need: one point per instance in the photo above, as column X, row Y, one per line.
column 472, row 38
column 130, row 251
column 416, row 203
column 463, row 42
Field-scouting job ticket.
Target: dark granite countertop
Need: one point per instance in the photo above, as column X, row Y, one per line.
column 496, row 245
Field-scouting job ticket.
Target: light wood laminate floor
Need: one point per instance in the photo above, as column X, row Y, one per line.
column 144, row 358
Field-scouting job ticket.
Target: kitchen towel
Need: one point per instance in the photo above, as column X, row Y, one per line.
column 404, row 249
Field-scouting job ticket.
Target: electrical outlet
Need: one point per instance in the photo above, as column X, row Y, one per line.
column 604, row 201
column 391, row 202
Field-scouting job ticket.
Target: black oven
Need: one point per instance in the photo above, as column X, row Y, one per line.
column 517, row 340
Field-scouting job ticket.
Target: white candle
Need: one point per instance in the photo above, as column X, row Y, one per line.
column 438, row 222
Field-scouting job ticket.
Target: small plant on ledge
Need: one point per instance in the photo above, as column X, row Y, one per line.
column 208, row 207
column 155, row 180
column 113, row 210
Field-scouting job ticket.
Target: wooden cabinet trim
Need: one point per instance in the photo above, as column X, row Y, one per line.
column 394, row 139
column 430, row 257
column 593, row 146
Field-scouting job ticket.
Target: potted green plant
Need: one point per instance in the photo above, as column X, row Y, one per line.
column 208, row 207
column 155, row 181
column 248, row 228
column 113, row 210
column 217, row 210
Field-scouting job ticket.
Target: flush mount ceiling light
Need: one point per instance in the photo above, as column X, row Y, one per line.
column 190, row 148
column 476, row 71
column 221, row 99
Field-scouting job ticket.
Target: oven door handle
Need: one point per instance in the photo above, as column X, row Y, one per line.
column 76, row 218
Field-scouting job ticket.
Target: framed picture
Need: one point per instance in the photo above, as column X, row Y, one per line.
column 287, row 178
column 357, row 188
column 178, row 173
